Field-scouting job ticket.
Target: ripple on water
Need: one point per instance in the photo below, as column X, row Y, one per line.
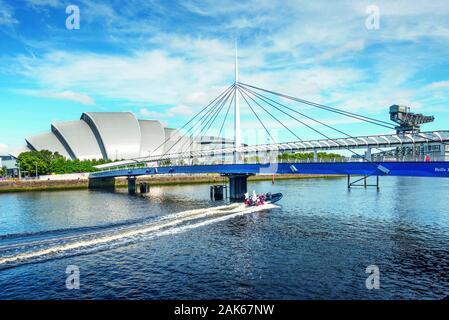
column 315, row 246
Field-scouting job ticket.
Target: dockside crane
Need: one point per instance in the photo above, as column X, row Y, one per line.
column 409, row 122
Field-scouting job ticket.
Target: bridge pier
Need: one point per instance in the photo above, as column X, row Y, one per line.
column 144, row 187
column 102, row 184
column 238, row 186
column 132, row 185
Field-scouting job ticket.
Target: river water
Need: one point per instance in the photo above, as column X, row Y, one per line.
column 169, row 244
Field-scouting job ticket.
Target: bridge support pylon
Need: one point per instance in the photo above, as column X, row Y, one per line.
column 144, row 187
column 132, row 185
column 238, row 186
column 102, row 184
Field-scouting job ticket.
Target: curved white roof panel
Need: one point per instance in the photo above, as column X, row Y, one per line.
column 178, row 143
column 118, row 133
column 47, row 141
column 78, row 139
column 153, row 136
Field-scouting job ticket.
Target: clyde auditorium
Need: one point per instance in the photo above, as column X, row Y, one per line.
column 114, row 136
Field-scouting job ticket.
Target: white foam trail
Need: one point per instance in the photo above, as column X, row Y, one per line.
column 222, row 218
column 226, row 212
column 192, row 214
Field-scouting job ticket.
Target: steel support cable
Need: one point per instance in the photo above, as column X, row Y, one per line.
column 324, row 124
column 329, row 138
column 268, row 132
column 264, row 98
column 303, row 123
column 207, row 118
column 296, row 136
column 187, row 123
column 201, row 126
column 215, row 117
column 345, row 113
column 207, row 114
column 226, row 116
column 218, row 111
column 327, row 108
column 194, row 127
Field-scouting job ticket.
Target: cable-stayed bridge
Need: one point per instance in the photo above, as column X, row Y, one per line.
column 404, row 153
column 364, row 142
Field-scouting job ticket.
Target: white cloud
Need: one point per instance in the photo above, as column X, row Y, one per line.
column 50, row 3
column 62, row 95
column 6, row 14
column 3, row 148
column 153, row 76
column 181, row 110
column 6, row 149
column 296, row 50
column 144, row 112
column 439, row 85
column 405, row 7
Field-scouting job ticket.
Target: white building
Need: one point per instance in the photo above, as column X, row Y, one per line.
column 116, row 136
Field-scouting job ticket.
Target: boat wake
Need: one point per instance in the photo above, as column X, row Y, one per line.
column 30, row 249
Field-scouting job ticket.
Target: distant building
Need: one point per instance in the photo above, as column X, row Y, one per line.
column 9, row 161
column 211, row 142
column 116, row 136
column 436, row 151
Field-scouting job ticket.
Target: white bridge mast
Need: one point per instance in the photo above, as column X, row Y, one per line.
column 237, row 136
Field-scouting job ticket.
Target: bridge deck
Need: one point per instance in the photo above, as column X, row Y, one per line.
column 379, row 141
column 411, row 169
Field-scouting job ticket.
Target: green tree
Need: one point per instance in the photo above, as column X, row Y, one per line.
column 3, row 171
column 308, row 156
column 29, row 160
column 53, row 163
column 165, row 163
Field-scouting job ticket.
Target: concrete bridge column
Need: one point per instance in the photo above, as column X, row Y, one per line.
column 315, row 155
column 238, row 186
column 102, row 184
column 132, row 185
column 144, row 187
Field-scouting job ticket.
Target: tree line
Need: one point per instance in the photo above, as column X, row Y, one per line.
column 46, row 162
column 308, row 156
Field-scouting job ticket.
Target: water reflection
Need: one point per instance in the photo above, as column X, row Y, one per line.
column 316, row 245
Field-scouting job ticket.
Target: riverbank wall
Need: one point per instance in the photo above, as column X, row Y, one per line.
column 156, row 180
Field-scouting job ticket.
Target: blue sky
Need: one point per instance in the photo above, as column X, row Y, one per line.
column 167, row 59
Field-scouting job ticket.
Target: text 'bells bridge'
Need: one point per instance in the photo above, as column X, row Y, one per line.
column 184, row 155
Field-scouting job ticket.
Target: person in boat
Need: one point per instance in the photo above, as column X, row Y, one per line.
column 254, row 197
column 260, row 201
column 247, row 199
column 251, row 200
